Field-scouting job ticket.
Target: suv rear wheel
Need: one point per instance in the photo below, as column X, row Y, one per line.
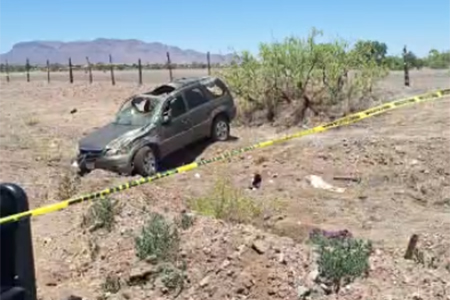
column 145, row 162
column 220, row 130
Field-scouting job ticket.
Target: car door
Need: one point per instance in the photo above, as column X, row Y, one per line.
column 200, row 108
column 176, row 133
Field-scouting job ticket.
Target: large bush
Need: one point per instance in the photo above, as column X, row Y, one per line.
column 297, row 75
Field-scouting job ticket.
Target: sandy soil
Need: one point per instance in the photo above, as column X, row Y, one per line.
column 400, row 160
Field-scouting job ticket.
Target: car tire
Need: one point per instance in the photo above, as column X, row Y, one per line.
column 145, row 161
column 220, row 130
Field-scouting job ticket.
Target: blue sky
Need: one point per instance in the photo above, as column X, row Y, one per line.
column 220, row 26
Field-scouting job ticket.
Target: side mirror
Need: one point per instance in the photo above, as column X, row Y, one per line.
column 165, row 119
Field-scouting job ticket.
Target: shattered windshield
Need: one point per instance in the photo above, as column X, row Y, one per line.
column 139, row 111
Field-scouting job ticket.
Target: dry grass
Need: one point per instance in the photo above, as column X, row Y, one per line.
column 227, row 203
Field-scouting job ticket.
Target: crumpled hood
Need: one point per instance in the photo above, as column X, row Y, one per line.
column 100, row 138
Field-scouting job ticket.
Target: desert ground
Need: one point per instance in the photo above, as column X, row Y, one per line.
column 399, row 162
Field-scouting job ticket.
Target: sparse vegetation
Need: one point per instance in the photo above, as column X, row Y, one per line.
column 101, row 214
column 159, row 243
column 186, row 220
column 342, row 260
column 32, row 121
column 303, row 75
column 227, row 203
column 172, row 277
column 68, row 185
column 111, row 284
column 92, row 247
column 159, row 238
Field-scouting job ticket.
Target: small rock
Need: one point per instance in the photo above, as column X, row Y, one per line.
column 225, row 264
column 140, row 273
column 326, row 288
column 282, row 259
column 73, row 297
column 272, row 291
column 302, row 291
column 204, row 282
column 260, row 246
column 312, row 276
column 417, row 297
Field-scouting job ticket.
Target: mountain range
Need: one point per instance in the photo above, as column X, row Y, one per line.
column 98, row 51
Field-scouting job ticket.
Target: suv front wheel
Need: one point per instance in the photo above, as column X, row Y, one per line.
column 145, row 162
column 220, row 130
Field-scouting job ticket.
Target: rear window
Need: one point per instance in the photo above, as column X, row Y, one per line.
column 214, row 89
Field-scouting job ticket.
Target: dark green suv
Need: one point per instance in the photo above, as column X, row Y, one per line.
column 150, row 126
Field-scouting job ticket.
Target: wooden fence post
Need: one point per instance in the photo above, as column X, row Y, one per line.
column 70, row 70
column 7, row 71
column 208, row 61
column 48, row 71
column 89, row 69
column 140, row 71
column 27, row 66
column 405, row 65
column 169, row 66
column 113, row 80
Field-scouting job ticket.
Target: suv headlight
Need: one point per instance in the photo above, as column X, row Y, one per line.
column 111, row 152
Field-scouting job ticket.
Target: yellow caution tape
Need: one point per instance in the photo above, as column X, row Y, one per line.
column 353, row 118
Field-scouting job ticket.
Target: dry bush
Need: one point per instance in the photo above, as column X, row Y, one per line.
column 227, row 203
column 159, row 239
column 68, row 185
column 101, row 214
column 298, row 75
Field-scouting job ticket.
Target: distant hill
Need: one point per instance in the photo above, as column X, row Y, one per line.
column 122, row 51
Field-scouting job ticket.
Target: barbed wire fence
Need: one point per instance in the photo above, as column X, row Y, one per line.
column 88, row 68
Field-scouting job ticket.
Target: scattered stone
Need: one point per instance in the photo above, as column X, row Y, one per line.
column 302, row 291
column 260, row 246
column 73, row 297
column 140, row 273
column 282, row 258
column 204, row 282
column 312, row 277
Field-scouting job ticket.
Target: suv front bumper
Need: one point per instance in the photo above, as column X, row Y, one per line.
column 120, row 163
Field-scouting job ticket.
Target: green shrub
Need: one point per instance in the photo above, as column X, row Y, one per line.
column 159, row 239
column 101, row 214
column 172, row 277
column 342, row 260
column 227, row 203
column 301, row 74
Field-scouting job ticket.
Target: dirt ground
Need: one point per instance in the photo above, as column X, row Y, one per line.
column 400, row 161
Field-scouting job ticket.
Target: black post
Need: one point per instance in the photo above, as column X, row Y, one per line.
column 27, row 66
column 169, row 66
column 208, row 61
column 7, row 71
column 48, row 71
column 17, row 278
column 113, row 80
column 70, row 71
column 405, row 65
column 89, row 69
column 140, row 71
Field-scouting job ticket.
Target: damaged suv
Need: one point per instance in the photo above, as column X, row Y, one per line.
column 152, row 125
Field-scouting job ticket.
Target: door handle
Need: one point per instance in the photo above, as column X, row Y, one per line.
column 185, row 121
